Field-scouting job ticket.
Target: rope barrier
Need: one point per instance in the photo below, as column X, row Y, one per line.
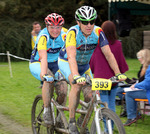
column 17, row 57
column 3, row 54
column 9, row 62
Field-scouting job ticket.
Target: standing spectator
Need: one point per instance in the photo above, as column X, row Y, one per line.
column 100, row 66
column 34, row 33
column 131, row 105
column 44, row 62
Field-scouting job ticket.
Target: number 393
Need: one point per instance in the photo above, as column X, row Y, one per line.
column 101, row 84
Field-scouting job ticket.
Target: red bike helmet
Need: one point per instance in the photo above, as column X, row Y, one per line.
column 54, row 19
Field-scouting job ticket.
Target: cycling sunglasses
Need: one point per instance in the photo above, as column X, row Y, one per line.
column 87, row 22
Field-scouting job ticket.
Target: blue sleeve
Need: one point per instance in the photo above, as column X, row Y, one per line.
column 102, row 39
column 145, row 84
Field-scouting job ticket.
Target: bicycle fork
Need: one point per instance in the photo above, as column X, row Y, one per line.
column 97, row 121
column 98, row 116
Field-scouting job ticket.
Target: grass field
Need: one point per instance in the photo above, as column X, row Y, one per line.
column 17, row 94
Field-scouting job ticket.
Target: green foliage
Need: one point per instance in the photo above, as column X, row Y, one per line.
column 134, row 42
column 15, row 37
column 16, row 22
column 16, row 17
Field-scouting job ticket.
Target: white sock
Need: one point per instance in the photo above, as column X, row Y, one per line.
column 46, row 109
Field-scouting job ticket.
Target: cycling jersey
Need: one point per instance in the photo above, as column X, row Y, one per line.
column 84, row 45
column 46, row 42
column 64, row 29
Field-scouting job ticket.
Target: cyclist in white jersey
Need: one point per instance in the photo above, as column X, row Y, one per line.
column 74, row 57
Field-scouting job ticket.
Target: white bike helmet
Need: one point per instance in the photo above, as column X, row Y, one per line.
column 85, row 13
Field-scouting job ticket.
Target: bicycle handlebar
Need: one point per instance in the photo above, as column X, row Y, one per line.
column 88, row 81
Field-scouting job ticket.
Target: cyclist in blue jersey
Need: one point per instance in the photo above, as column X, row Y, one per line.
column 44, row 62
column 74, row 57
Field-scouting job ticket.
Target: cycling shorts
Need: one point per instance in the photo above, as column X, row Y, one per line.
column 35, row 68
column 65, row 69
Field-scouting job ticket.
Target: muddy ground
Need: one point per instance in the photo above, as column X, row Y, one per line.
column 11, row 127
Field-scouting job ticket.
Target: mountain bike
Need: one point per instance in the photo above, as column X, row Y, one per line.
column 104, row 121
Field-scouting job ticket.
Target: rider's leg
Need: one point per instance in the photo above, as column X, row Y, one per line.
column 47, row 93
column 47, row 89
column 87, row 92
column 74, row 97
column 61, row 91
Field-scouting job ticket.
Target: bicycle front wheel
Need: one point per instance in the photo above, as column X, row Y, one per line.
column 109, row 123
column 37, row 121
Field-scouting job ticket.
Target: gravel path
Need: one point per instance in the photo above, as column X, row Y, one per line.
column 9, row 126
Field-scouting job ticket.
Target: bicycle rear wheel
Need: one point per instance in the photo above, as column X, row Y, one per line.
column 107, row 117
column 37, row 121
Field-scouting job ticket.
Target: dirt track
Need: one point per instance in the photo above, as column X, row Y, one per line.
column 9, row 126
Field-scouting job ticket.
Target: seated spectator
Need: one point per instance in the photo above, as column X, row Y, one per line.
column 131, row 105
column 120, row 90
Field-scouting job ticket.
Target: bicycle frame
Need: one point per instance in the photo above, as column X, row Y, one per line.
column 102, row 121
column 89, row 107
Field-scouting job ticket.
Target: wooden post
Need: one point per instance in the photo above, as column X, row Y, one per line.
column 146, row 39
column 9, row 62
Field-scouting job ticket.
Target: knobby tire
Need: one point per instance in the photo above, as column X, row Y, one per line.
column 37, row 117
column 108, row 114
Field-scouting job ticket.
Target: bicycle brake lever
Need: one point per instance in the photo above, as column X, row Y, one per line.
column 87, row 82
column 114, row 79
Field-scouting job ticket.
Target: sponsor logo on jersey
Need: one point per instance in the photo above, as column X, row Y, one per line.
column 86, row 47
column 55, row 50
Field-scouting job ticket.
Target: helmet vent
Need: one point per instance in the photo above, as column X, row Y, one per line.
column 85, row 13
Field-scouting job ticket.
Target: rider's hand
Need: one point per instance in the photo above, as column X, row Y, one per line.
column 79, row 79
column 48, row 78
column 121, row 77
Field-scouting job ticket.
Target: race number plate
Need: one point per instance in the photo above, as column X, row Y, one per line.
column 101, row 84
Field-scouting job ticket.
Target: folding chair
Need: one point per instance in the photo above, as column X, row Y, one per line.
column 143, row 109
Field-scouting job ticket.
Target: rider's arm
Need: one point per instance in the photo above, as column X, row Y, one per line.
column 71, row 52
column 43, row 55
